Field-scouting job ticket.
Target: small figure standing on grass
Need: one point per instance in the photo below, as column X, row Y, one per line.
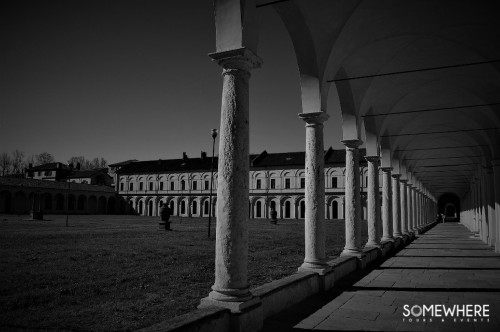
column 274, row 216
column 165, row 216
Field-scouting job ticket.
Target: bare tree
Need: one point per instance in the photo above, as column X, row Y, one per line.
column 5, row 163
column 88, row 164
column 18, row 163
column 77, row 160
column 44, row 158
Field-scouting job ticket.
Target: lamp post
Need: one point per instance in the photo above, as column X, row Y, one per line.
column 214, row 135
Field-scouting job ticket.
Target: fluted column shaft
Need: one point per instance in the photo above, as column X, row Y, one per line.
column 404, row 207
column 352, row 200
column 386, row 204
column 314, row 222
column 373, row 205
column 396, row 206
column 231, row 246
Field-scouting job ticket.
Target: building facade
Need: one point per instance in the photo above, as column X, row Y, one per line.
column 276, row 180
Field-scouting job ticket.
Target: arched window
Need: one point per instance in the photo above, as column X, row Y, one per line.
column 335, row 210
column 195, row 207
column 287, row 209
column 183, row 185
column 183, row 207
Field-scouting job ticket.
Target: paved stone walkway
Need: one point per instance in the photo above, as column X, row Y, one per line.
column 445, row 266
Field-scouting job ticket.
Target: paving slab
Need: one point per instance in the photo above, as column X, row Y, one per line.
column 444, row 267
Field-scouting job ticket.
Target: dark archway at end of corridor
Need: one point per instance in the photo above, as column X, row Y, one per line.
column 449, row 205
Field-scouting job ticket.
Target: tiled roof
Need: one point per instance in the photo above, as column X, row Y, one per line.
column 285, row 159
column 87, row 173
column 122, row 163
column 44, row 184
column 48, row 167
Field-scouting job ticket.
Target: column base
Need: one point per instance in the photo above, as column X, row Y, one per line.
column 373, row 245
column 353, row 252
column 235, row 306
column 320, row 268
column 387, row 239
column 395, row 235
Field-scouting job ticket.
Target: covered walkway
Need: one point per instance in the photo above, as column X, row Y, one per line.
column 448, row 265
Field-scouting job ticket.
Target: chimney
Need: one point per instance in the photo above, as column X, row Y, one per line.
column 184, row 156
column 203, row 155
column 78, row 165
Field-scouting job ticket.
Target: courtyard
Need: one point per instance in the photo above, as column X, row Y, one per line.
column 106, row 273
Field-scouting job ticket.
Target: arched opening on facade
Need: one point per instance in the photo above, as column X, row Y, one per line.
column 183, row 207
column 20, row 203
column 449, row 205
column 59, row 198
column 206, row 208
column 172, row 207
column 47, row 202
column 150, row 208
column 194, row 210
column 5, row 202
column 335, row 210
column 258, row 209
column 92, row 204
column 71, row 202
column 288, row 209
column 81, row 203
column 140, row 207
column 111, row 205
column 302, row 209
column 101, row 205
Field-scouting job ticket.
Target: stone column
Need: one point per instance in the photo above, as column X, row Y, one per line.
column 496, row 189
column 415, row 208
column 373, row 205
column 231, row 246
column 404, row 208
column 352, row 200
column 386, row 204
column 315, row 258
column 396, row 207
column 409, row 211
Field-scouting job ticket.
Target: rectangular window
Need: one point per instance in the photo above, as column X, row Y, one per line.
column 121, row 186
column 287, row 183
column 48, row 173
column 172, row 185
column 39, row 173
column 207, row 185
column 258, row 184
column 195, row 185
column 161, row 185
column 334, row 182
column 131, row 186
column 141, row 186
column 151, row 186
column 302, row 182
column 273, row 183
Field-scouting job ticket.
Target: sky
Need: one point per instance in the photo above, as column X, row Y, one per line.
column 132, row 80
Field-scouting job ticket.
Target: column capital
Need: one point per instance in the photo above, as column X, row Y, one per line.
column 352, row 143
column 403, row 181
column 240, row 58
column 396, row 176
column 372, row 159
column 314, row 118
column 386, row 169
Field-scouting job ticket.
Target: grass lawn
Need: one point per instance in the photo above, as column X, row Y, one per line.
column 121, row 273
